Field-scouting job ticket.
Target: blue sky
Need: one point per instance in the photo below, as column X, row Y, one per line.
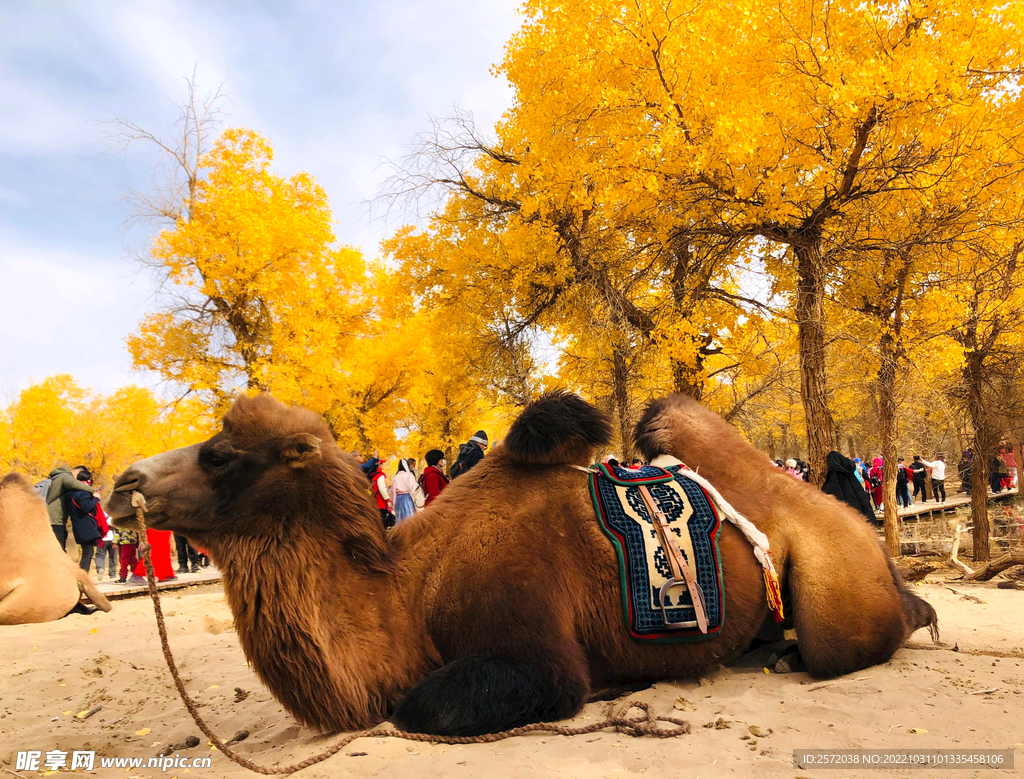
column 336, row 87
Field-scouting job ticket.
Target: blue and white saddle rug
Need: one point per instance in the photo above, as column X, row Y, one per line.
column 693, row 524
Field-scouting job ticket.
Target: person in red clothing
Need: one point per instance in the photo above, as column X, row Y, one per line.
column 160, row 554
column 433, row 480
column 875, row 477
column 379, row 487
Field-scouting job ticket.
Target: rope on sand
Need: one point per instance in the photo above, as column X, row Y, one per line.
column 646, row 724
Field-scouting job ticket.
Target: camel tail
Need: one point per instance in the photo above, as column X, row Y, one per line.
column 87, row 587
column 559, row 427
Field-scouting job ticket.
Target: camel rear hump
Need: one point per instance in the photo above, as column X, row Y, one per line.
column 849, row 604
column 559, row 427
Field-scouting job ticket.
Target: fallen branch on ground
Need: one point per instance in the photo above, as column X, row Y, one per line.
column 840, row 681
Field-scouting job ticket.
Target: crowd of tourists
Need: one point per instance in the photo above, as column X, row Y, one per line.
column 73, row 506
column 861, row 486
column 409, row 492
column 73, row 501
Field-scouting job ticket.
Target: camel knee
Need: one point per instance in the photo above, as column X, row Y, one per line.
column 834, row 642
column 917, row 612
column 476, row 695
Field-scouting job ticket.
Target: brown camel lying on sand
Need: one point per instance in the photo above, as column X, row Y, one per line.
column 498, row 605
column 38, row 581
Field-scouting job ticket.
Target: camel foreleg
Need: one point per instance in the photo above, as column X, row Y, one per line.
column 512, row 660
column 476, row 695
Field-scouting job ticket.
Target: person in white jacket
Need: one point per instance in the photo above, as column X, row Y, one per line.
column 938, row 469
column 402, row 488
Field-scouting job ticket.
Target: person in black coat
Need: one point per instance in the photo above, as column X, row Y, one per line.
column 470, row 453
column 841, row 484
column 83, row 507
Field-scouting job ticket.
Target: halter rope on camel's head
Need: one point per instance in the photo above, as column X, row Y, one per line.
column 647, row 724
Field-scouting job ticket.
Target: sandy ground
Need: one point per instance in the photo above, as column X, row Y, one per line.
column 972, row 698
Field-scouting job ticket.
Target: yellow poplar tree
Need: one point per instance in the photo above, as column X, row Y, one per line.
column 787, row 122
column 260, row 297
column 56, row 421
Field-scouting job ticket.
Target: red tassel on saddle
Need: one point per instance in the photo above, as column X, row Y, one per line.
column 772, row 589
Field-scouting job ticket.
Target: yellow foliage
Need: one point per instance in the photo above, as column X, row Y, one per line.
column 55, row 421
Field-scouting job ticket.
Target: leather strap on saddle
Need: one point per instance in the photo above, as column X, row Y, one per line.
column 681, row 572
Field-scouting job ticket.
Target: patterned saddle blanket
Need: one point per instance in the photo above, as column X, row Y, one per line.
column 644, row 568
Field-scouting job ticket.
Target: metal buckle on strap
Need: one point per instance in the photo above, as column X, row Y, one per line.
column 692, row 623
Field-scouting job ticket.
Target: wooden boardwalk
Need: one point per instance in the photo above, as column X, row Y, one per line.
column 115, row 591
column 929, row 508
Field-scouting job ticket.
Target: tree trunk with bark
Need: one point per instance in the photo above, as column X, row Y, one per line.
column 888, row 433
column 620, row 397
column 1018, row 449
column 810, row 317
column 890, row 350
column 683, row 380
column 974, row 378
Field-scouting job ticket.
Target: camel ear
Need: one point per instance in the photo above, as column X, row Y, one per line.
column 300, row 449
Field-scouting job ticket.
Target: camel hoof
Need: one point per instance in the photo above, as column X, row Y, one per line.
column 787, row 661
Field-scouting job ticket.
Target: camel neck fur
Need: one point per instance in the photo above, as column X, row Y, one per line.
column 324, row 620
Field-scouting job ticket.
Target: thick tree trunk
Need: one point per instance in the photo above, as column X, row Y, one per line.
column 1018, row 450
column 890, row 348
column 888, row 433
column 810, row 317
column 979, row 504
column 620, row 396
column 683, row 380
column 974, row 377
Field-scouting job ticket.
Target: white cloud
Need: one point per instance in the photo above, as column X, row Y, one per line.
column 66, row 312
column 337, row 88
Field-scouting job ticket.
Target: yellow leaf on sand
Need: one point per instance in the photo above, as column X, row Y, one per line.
column 82, row 713
column 213, row 687
column 65, row 713
column 916, row 730
column 143, row 732
column 94, row 630
column 767, row 671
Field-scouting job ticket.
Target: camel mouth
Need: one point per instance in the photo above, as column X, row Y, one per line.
column 119, row 506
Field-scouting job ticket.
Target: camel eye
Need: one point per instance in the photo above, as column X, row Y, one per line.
column 214, row 459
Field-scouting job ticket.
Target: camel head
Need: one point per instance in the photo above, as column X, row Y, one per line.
column 271, row 471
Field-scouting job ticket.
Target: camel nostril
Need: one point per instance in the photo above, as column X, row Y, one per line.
column 128, row 482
